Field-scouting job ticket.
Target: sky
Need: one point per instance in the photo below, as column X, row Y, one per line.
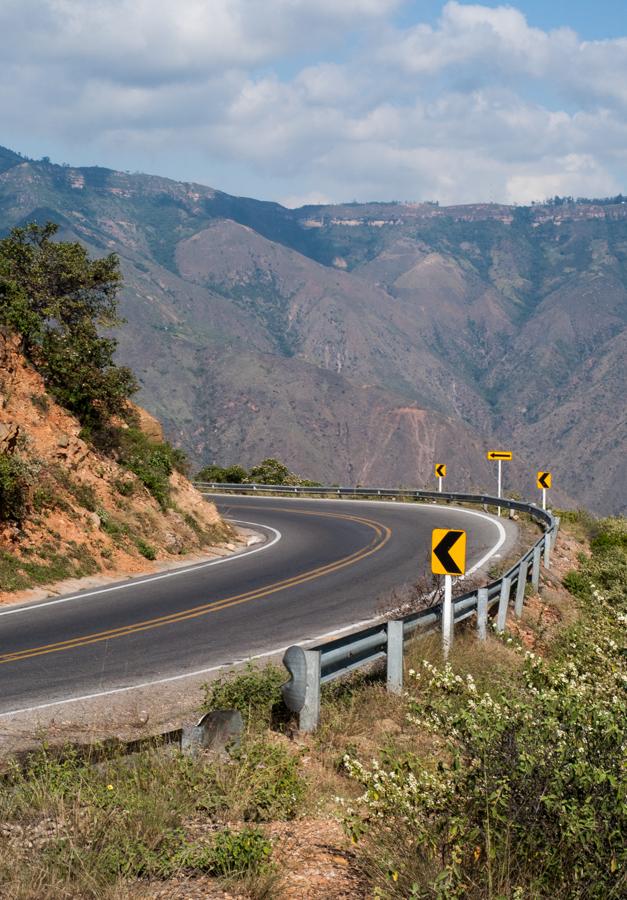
column 316, row 101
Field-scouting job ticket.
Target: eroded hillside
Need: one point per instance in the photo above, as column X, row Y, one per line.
column 324, row 335
column 75, row 511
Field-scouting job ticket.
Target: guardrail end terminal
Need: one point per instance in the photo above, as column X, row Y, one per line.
column 301, row 693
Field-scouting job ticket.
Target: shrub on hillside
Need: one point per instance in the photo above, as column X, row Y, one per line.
column 223, row 474
column 253, row 691
column 152, row 461
column 271, row 471
column 15, row 482
column 526, row 796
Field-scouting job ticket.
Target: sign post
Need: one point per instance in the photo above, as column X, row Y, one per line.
column 448, row 558
column 544, row 482
column 499, row 455
column 440, row 473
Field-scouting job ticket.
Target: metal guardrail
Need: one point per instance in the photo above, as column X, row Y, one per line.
column 310, row 668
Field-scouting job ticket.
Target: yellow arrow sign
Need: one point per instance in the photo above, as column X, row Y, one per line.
column 448, row 551
column 544, row 480
column 499, row 454
column 440, row 470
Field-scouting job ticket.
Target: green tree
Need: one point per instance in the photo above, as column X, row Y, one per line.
column 224, row 475
column 271, row 471
column 57, row 298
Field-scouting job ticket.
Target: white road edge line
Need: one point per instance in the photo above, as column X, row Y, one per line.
column 354, row 626
column 132, row 582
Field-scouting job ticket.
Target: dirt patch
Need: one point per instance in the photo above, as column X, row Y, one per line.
column 553, row 607
column 313, row 856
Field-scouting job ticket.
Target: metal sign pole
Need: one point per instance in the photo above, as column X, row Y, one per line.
column 543, row 498
column 447, row 616
column 500, row 482
column 440, row 483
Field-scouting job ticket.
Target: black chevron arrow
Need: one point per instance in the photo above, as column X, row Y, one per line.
column 542, row 478
column 442, row 552
column 438, row 469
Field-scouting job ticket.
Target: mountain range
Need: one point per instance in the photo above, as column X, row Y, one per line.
column 362, row 343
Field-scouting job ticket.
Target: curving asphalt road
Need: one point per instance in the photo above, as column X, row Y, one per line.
column 324, row 565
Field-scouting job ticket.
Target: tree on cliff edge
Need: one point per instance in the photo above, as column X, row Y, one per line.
column 56, row 298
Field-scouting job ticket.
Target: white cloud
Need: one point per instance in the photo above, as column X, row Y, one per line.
column 159, row 40
column 480, row 105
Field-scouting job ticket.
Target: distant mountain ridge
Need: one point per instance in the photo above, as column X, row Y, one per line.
column 363, row 342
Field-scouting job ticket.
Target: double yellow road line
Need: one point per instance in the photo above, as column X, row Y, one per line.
column 380, row 538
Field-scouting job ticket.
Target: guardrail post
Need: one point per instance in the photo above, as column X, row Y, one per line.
column 535, row 568
column 302, row 692
column 395, row 656
column 520, row 588
column 309, row 718
column 448, row 620
column 547, row 551
column 482, row 614
column 556, row 528
column 503, row 603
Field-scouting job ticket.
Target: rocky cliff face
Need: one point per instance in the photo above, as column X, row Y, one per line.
column 84, row 513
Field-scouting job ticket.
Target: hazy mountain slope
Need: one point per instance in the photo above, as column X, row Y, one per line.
column 268, row 405
column 543, row 301
column 331, row 335
column 586, row 431
column 324, row 316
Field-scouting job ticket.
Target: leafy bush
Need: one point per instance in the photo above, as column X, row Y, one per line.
column 258, row 782
column 145, row 549
column 231, row 854
column 253, row 691
column 266, row 781
column 526, row 796
column 224, row 475
column 577, row 583
column 240, row 852
column 15, row 482
column 152, row 461
column 271, row 471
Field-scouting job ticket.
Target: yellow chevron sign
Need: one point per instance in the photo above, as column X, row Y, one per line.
column 448, row 551
column 440, row 470
column 544, row 480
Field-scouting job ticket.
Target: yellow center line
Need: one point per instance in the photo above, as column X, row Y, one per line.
column 381, row 537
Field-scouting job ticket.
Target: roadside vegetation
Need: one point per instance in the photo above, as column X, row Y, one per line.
column 501, row 775
column 269, row 471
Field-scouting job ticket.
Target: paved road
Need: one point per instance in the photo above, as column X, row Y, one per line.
column 324, row 566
